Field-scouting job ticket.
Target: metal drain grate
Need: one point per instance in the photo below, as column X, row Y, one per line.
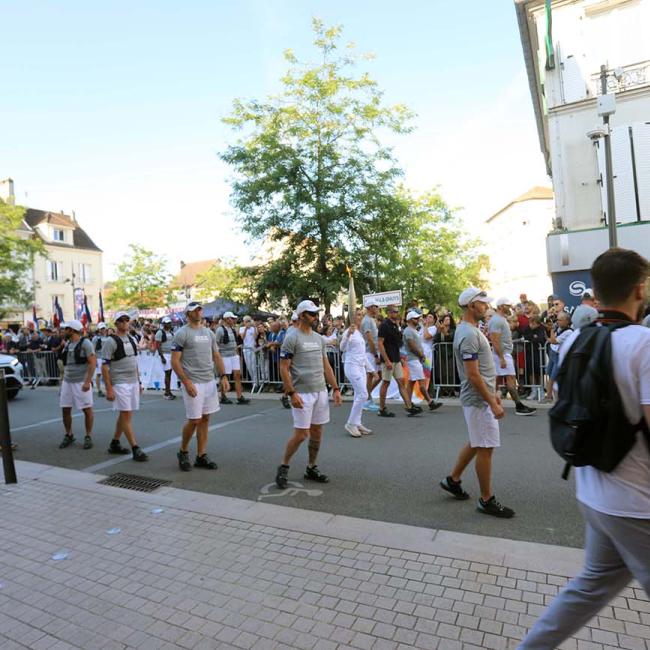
column 133, row 482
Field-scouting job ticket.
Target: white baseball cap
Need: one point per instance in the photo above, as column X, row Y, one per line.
column 165, row 320
column 473, row 294
column 73, row 325
column 306, row 305
column 413, row 314
column 372, row 302
column 294, row 317
column 191, row 306
column 121, row 314
column 588, row 293
column 229, row 314
column 503, row 301
column 101, row 326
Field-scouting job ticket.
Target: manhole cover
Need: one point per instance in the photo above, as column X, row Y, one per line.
column 133, row 482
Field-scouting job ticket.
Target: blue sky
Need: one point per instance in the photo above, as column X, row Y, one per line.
column 113, row 109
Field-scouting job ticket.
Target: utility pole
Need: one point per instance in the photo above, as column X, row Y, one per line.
column 606, row 107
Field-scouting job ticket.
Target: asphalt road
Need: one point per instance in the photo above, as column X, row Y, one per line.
column 389, row 476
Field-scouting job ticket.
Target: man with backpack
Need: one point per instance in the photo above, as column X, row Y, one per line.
column 78, row 357
column 163, row 342
column 600, row 426
column 227, row 339
column 122, row 380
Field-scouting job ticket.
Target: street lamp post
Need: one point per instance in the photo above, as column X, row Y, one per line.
column 607, row 107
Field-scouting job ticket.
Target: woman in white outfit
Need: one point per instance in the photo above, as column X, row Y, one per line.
column 356, row 368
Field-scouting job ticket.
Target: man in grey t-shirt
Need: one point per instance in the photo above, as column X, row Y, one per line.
column 229, row 349
column 481, row 404
column 79, row 361
column 195, row 355
column 369, row 331
column 122, row 380
column 305, row 369
column 163, row 343
column 501, row 339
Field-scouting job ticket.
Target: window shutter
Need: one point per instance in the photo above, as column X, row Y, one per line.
column 641, row 138
column 623, row 170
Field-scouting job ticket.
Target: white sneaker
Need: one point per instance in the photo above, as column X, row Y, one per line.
column 364, row 430
column 352, row 430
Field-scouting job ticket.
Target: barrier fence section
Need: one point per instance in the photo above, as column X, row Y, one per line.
column 39, row 367
column 530, row 367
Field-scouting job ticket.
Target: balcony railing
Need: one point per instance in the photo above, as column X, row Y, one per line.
column 624, row 78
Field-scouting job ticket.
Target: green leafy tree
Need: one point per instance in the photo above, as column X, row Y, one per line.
column 142, row 281
column 17, row 253
column 434, row 259
column 311, row 173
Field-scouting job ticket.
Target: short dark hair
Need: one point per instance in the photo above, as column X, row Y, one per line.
column 615, row 274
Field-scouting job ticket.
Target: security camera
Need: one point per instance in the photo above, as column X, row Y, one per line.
column 597, row 133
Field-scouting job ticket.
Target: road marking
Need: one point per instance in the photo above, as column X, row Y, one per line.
column 294, row 490
column 168, row 443
column 74, row 415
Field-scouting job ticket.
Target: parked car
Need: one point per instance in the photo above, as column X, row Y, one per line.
column 13, row 371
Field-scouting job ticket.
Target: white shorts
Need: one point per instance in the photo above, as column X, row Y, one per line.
column 98, row 367
column 372, row 360
column 73, row 397
column 127, row 397
column 205, row 402
column 509, row 370
column 315, row 410
column 167, row 366
column 230, row 364
column 416, row 371
column 482, row 426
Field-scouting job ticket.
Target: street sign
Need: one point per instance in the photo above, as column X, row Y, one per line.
column 385, row 298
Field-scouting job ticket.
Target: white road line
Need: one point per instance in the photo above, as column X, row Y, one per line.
column 168, row 443
column 75, row 415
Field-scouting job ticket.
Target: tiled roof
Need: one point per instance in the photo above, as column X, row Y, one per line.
column 188, row 273
column 534, row 194
column 80, row 237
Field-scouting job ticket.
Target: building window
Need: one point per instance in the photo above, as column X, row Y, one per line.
column 84, row 273
column 58, row 234
column 54, row 271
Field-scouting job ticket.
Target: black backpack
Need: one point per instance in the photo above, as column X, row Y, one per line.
column 163, row 338
column 120, row 352
column 588, row 422
column 79, row 355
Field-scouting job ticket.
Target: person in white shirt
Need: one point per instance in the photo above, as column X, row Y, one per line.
column 248, row 334
column 615, row 505
column 356, row 366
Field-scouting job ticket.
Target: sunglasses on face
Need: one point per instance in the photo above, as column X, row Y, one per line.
column 124, row 319
column 313, row 314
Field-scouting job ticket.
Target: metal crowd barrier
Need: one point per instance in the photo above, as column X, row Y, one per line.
column 530, row 368
column 39, row 366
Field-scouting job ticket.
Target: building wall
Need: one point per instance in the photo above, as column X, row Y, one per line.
column 515, row 243
column 46, row 289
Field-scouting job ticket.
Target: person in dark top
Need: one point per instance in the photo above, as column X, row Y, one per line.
column 444, row 368
column 389, row 342
column 535, row 337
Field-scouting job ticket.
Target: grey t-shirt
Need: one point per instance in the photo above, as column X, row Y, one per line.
column 198, row 345
column 369, row 324
column 167, row 345
column 499, row 325
column 411, row 334
column 227, row 349
column 306, row 351
column 75, row 373
column 124, row 371
column 469, row 344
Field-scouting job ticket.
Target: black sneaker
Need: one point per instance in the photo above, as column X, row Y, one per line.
column 522, row 409
column 434, row 406
column 66, row 442
column 225, row 400
column 453, row 487
column 417, row 408
column 413, row 411
column 243, row 400
column 116, row 448
column 88, row 442
column 314, row 474
column 100, row 393
column 285, row 402
column 184, row 461
column 204, row 462
column 139, row 455
column 385, row 413
column 282, row 476
column 494, row 508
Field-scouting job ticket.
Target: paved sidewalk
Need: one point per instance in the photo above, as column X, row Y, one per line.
column 217, row 572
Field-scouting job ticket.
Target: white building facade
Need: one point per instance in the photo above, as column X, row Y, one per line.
column 564, row 78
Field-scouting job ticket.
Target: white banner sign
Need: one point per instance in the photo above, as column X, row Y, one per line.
column 385, row 298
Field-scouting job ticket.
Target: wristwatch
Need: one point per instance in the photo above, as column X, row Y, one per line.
column 290, row 393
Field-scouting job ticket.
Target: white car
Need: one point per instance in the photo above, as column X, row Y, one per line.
column 13, row 371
